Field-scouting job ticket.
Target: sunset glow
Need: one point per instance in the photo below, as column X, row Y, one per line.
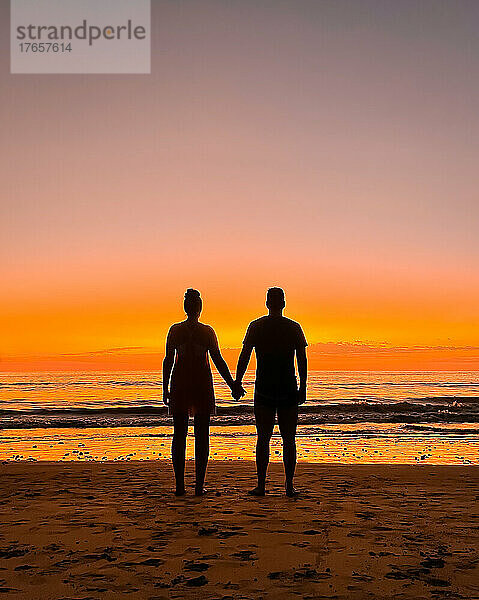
column 264, row 149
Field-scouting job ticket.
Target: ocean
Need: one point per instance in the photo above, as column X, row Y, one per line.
column 408, row 417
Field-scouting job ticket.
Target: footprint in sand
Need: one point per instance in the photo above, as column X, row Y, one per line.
column 245, row 555
column 312, row 532
column 13, row 552
column 197, row 581
column 299, row 574
column 191, row 565
column 207, row 530
column 300, row 544
column 433, row 563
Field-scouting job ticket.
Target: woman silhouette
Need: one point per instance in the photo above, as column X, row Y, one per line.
column 191, row 391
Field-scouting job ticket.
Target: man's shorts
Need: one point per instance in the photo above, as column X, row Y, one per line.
column 278, row 401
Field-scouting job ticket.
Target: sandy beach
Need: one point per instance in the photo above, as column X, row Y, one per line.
column 81, row 531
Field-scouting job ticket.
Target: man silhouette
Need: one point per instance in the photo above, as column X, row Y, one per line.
column 275, row 339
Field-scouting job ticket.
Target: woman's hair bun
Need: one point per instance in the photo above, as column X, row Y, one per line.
column 192, row 294
column 192, row 303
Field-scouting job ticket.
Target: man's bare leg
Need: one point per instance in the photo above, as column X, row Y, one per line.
column 287, row 422
column 264, row 416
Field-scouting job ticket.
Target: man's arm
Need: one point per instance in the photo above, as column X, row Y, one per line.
column 243, row 362
column 166, row 373
column 303, row 373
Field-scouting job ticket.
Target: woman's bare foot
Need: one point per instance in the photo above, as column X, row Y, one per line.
column 257, row 491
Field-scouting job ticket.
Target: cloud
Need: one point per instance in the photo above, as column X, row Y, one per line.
column 354, row 356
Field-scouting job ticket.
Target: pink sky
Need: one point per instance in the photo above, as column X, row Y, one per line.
column 328, row 147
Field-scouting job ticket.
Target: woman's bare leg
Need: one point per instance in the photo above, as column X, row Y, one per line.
column 178, row 450
column 202, row 450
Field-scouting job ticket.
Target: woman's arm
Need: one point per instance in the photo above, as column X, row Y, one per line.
column 222, row 367
column 237, row 391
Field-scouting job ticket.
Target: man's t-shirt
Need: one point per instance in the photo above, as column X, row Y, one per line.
column 275, row 340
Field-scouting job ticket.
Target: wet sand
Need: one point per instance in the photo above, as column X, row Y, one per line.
column 340, row 444
column 109, row 530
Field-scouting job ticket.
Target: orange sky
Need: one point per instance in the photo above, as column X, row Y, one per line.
column 329, row 148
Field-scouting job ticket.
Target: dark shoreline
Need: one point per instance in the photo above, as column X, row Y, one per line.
column 108, row 420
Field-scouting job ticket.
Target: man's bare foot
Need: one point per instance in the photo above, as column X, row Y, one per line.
column 257, row 491
column 291, row 492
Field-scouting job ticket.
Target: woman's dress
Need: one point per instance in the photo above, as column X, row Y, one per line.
column 191, row 389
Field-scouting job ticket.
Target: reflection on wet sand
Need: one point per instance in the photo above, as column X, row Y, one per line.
column 351, row 444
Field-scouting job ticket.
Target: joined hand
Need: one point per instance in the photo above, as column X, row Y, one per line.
column 237, row 390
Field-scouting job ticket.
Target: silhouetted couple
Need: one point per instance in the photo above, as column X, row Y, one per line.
column 276, row 340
